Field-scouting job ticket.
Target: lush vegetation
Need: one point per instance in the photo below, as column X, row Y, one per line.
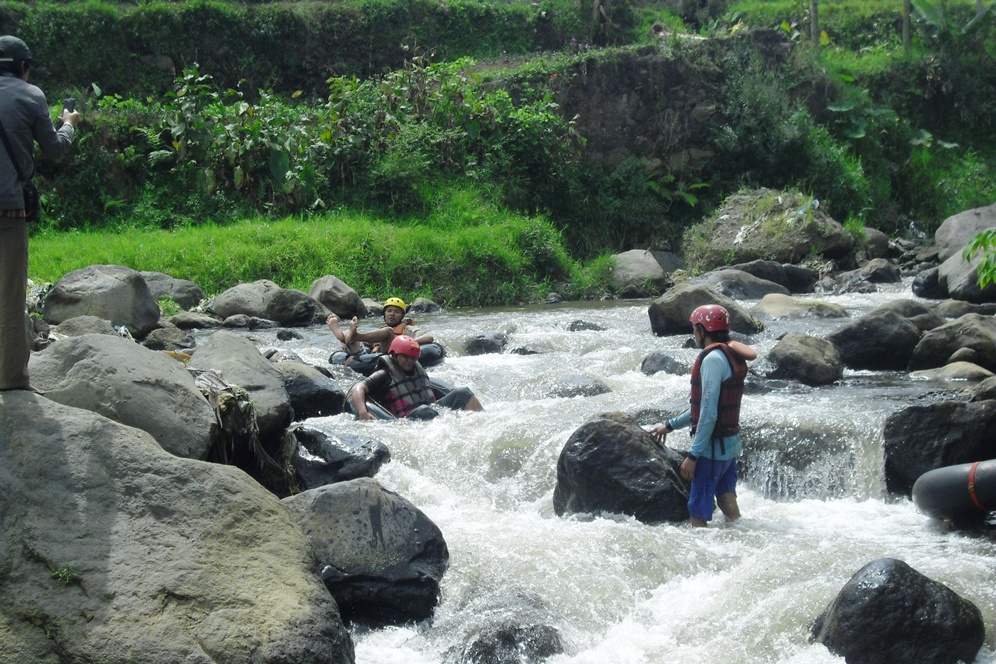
column 354, row 118
column 464, row 253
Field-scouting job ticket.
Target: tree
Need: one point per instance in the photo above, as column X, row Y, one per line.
column 907, row 11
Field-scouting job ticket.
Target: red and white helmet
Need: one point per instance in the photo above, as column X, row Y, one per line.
column 405, row 345
column 712, row 317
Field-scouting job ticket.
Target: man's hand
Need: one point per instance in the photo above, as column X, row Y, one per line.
column 366, row 415
column 688, row 469
column 660, row 432
column 70, row 117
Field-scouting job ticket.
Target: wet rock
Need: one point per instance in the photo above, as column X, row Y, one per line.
column 606, row 466
column 658, row 362
column 922, row 438
column 579, row 386
column 312, row 393
column 889, row 612
column 778, row 306
column 926, row 284
column 326, row 458
column 973, row 331
column 184, row 292
column 670, row 312
column 483, row 344
column 738, row 285
column 337, row 297
column 381, row 557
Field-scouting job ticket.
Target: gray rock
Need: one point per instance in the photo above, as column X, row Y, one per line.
column 80, row 325
column 240, row 363
column 809, row 360
column 114, row 293
column 957, row 230
column 738, row 285
column 482, row 344
column 169, row 337
column 879, row 340
column 922, row 438
column 184, row 292
column 312, row 393
column 133, row 554
column 778, row 306
column 266, row 300
column 130, row 384
column 658, row 361
column 191, row 320
column 973, row 331
column 926, row 284
column 337, row 297
column 670, row 312
column 639, row 268
column 960, row 280
column 381, row 557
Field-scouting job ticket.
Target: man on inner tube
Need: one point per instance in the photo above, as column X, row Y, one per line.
column 363, row 349
column 402, row 386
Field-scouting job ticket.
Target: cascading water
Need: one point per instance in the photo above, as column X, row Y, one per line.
column 619, row 591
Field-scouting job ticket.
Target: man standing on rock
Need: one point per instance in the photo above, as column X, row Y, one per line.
column 24, row 119
column 717, row 388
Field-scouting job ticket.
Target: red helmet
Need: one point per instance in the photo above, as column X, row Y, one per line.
column 405, row 345
column 712, row 317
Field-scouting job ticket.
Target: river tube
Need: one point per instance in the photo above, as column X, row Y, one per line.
column 439, row 388
column 366, row 363
column 967, row 490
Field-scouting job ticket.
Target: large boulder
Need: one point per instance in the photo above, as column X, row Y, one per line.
column 130, row 384
column 240, row 363
column 796, row 278
column 312, row 393
column 670, row 312
column 922, row 438
column 184, row 292
column 381, row 557
column 879, row 340
column 337, row 297
column 778, row 306
column 738, row 285
column 960, row 280
column 958, row 230
column 116, row 551
column 785, row 227
column 809, row 360
column 973, row 331
column 608, row 466
column 889, row 612
column 638, row 269
column 114, row 293
column 326, row 458
column 266, row 300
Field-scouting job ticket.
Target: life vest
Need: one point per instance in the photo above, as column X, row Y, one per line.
column 400, row 328
column 731, row 391
column 407, row 391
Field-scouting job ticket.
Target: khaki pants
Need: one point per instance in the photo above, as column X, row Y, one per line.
column 14, row 351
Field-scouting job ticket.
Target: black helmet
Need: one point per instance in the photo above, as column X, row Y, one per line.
column 13, row 50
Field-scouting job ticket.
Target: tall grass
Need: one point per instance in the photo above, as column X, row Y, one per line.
column 454, row 259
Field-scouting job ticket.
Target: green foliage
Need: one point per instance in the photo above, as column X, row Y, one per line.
column 136, row 48
column 66, row 574
column 466, row 253
column 984, row 243
column 168, row 306
column 768, row 139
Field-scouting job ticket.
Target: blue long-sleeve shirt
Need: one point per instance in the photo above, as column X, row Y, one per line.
column 714, row 370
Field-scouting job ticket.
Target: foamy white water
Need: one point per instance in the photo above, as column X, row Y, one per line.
column 620, row 591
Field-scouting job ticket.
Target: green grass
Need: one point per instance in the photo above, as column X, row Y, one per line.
column 468, row 257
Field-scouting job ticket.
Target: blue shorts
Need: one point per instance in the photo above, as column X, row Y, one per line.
column 712, row 478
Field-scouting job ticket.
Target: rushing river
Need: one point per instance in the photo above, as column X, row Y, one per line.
column 617, row 590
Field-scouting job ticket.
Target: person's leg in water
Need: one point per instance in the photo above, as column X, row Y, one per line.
column 726, row 493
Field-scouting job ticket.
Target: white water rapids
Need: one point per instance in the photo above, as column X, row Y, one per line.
column 617, row 590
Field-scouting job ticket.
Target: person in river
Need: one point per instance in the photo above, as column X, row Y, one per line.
column 401, row 385
column 361, row 350
column 714, row 416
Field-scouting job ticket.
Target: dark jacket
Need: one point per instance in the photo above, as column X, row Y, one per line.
column 26, row 118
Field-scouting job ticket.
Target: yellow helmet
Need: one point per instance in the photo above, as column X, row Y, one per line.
column 396, row 302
